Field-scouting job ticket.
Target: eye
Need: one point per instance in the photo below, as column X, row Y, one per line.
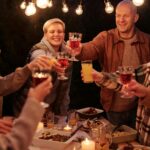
column 60, row 31
column 51, row 31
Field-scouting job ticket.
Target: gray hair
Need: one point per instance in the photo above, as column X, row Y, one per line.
column 130, row 3
column 52, row 21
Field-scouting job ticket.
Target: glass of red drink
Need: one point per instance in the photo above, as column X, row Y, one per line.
column 126, row 74
column 74, row 43
column 38, row 76
column 63, row 60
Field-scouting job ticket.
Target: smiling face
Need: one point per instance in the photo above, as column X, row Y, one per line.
column 126, row 17
column 55, row 34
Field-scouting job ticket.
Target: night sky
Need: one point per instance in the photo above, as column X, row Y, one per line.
column 19, row 32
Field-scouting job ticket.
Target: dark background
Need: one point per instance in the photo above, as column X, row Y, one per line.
column 19, row 32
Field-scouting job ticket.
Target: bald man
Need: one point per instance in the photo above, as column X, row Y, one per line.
column 124, row 45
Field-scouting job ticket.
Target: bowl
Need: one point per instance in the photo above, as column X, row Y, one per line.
column 89, row 113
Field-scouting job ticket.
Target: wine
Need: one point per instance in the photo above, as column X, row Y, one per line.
column 63, row 62
column 37, row 78
column 74, row 44
column 125, row 78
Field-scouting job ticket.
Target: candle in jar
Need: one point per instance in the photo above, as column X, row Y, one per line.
column 40, row 126
column 67, row 128
column 87, row 145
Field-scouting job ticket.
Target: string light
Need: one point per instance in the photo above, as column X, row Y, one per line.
column 23, row 5
column 65, row 8
column 138, row 2
column 79, row 10
column 50, row 4
column 108, row 7
column 30, row 9
column 42, row 3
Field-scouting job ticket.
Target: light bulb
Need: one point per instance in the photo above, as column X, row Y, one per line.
column 65, row 8
column 30, row 9
column 50, row 4
column 138, row 2
column 23, row 5
column 42, row 3
column 79, row 10
column 109, row 8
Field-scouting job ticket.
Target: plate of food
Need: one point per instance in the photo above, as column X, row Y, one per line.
column 89, row 113
column 58, row 140
column 124, row 134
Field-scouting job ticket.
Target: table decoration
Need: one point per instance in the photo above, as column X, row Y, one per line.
column 87, row 145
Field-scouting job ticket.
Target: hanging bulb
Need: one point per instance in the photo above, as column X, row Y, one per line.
column 23, row 5
column 79, row 10
column 138, row 2
column 108, row 7
column 50, row 4
column 42, row 3
column 65, row 8
column 30, row 9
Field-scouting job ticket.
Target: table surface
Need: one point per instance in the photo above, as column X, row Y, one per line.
column 72, row 145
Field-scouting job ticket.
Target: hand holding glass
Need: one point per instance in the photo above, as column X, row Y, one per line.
column 38, row 76
column 74, row 43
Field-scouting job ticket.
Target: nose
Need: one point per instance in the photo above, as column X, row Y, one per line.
column 122, row 19
column 56, row 33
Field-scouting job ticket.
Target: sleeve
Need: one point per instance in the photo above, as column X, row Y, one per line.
column 24, row 127
column 109, row 81
column 14, row 81
column 93, row 49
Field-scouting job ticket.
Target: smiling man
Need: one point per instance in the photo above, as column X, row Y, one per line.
column 124, row 45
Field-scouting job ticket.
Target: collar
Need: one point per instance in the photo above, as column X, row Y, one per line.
column 50, row 47
column 138, row 39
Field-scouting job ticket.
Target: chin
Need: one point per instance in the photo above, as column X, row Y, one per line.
column 56, row 44
column 122, row 30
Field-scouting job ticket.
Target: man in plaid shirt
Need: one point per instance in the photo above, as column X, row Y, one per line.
column 142, row 75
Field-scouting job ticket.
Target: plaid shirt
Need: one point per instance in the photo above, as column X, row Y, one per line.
column 142, row 75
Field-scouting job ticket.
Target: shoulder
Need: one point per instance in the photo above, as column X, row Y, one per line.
column 38, row 50
column 107, row 33
column 39, row 45
column 142, row 35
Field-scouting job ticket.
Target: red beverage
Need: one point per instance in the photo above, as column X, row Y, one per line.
column 125, row 77
column 63, row 62
column 74, row 44
column 37, row 78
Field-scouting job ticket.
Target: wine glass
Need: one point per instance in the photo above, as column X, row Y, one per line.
column 74, row 43
column 126, row 74
column 63, row 60
column 102, row 137
column 38, row 76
